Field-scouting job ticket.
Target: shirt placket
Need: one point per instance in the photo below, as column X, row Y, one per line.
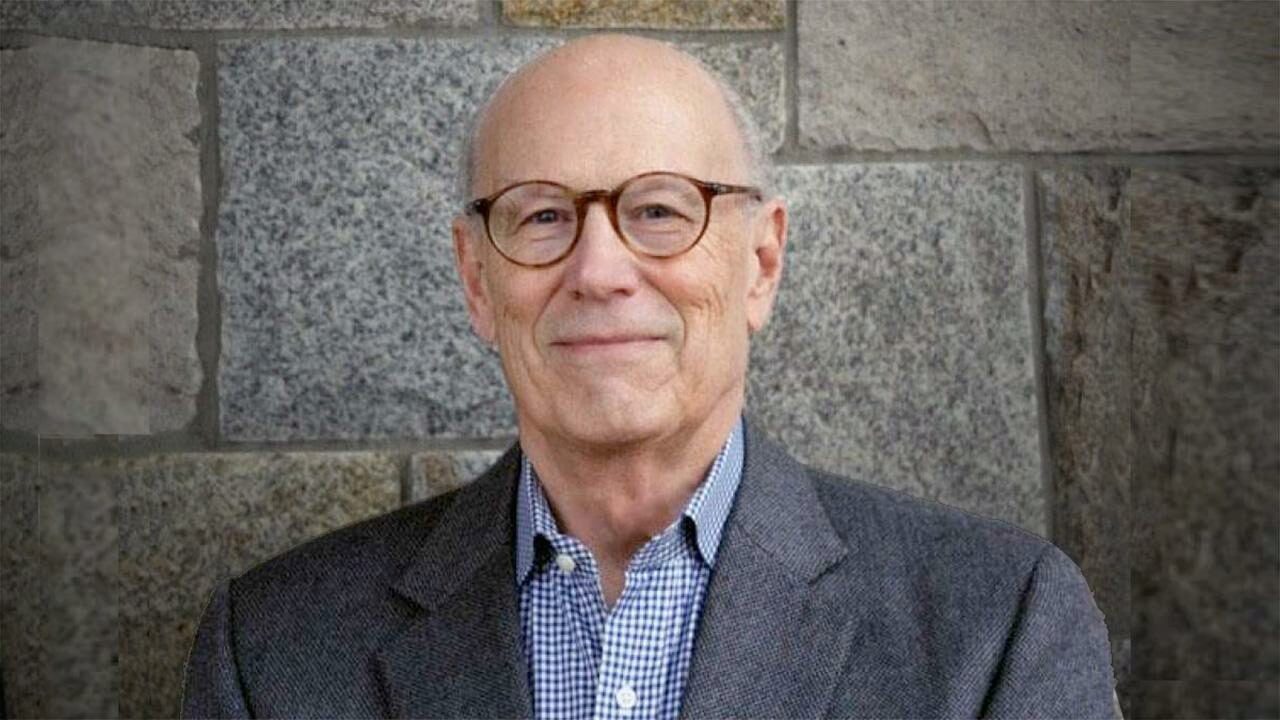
column 631, row 663
column 632, row 644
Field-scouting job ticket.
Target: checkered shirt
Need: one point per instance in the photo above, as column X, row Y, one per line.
column 586, row 661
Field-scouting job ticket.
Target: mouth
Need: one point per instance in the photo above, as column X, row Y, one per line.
column 605, row 343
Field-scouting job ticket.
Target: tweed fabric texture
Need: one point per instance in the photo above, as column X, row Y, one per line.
column 631, row 660
column 830, row 597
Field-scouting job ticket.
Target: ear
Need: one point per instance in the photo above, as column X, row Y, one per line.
column 768, row 234
column 467, row 259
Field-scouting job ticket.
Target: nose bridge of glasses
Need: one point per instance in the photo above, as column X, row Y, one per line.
column 589, row 196
column 600, row 257
column 608, row 201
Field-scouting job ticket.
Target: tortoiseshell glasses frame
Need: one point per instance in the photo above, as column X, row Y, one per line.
column 580, row 201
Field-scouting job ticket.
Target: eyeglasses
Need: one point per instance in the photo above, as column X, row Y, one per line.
column 536, row 223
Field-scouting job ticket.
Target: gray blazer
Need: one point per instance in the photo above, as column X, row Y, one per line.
column 829, row 598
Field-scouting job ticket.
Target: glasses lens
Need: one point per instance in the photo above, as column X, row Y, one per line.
column 533, row 223
column 661, row 214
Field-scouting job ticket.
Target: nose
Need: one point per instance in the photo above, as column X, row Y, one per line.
column 601, row 266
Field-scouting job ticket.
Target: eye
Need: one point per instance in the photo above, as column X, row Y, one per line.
column 545, row 216
column 656, row 212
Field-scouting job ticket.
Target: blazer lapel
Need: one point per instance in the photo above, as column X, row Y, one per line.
column 460, row 654
column 772, row 640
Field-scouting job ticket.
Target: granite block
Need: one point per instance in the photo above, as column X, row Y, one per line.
column 190, row 521
column 1121, row 666
column 663, row 14
column 756, row 71
column 1089, row 394
column 59, row 588
column 1030, row 76
column 1205, row 295
column 80, row 538
column 24, row 655
column 435, row 473
column 342, row 315
column 899, row 351
column 980, row 75
column 1204, row 75
column 1199, row 699
column 19, row 344
column 1162, row 291
column 236, row 14
column 101, row 207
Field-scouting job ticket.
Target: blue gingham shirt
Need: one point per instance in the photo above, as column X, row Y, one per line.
column 631, row 661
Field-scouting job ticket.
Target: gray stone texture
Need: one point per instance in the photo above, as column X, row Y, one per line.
column 1162, row 334
column 1204, row 75
column 236, row 14
column 666, row 14
column 756, row 71
column 342, row 316
column 1087, row 335
column 59, row 577
column 899, row 351
column 100, row 204
column 1121, row 650
column 1012, row 75
column 1205, row 295
column 190, row 521
column 80, row 534
column 435, row 473
column 24, row 654
column 1199, row 699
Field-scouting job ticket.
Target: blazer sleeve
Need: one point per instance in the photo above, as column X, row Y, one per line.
column 212, row 686
column 1057, row 660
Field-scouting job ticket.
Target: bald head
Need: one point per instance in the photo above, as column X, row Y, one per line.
column 598, row 88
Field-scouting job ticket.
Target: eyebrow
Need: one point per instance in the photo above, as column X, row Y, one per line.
column 504, row 182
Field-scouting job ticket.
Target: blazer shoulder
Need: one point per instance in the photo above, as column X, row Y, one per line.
column 906, row 531
column 992, row 619
column 970, row 586
column 348, row 557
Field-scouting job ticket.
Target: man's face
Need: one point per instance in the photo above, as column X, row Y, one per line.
column 608, row 347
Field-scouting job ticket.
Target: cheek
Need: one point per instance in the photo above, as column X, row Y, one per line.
column 720, row 278
column 713, row 303
column 509, row 323
column 518, row 302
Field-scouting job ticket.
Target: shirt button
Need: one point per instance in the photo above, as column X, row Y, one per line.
column 566, row 563
column 626, row 697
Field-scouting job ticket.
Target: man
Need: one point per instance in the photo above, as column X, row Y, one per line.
column 643, row 551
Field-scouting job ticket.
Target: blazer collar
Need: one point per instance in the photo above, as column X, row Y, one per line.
column 779, row 508
column 460, row 655
column 767, row 613
column 479, row 523
column 773, row 637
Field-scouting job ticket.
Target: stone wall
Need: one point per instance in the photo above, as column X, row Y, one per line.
column 1034, row 272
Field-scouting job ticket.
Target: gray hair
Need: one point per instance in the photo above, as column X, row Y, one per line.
column 759, row 163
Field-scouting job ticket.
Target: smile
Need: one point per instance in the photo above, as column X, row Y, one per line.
column 590, row 344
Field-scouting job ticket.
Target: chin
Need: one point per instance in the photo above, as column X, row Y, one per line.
column 614, row 422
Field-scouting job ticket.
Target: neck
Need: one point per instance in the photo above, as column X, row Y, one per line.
column 615, row 499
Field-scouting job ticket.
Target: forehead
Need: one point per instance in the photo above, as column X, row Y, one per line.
column 594, row 118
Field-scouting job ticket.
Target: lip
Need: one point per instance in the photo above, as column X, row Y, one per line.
column 588, row 343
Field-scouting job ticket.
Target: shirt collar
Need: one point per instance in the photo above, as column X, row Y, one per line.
column 708, row 508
